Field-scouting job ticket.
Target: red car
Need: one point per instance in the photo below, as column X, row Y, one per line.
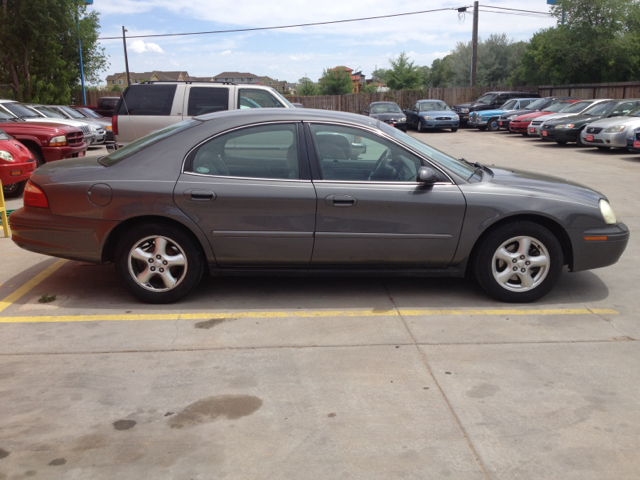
column 16, row 165
column 520, row 124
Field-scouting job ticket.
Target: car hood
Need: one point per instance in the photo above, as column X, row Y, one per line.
column 537, row 182
column 439, row 113
column 575, row 119
column 14, row 147
column 609, row 122
column 493, row 112
column 387, row 116
column 60, row 121
column 515, row 113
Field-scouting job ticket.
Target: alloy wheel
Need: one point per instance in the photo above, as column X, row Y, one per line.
column 157, row 264
column 521, row 264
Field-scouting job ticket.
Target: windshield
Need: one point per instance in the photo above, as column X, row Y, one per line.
column 88, row 112
column 47, row 112
column 487, row 98
column 634, row 113
column 3, row 135
column 509, row 105
column 282, row 99
column 21, row 111
column 4, row 115
column 72, row 113
column 120, row 154
column 557, row 107
column 538, row 104
column 385, row 108
column 456, row 166
column 577, row 107
column 601, row 108
column 434, row 107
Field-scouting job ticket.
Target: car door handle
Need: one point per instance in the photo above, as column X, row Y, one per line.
column 199, row 195
column 341, row 200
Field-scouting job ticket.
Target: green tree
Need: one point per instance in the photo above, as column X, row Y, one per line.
column 336, row 81
column 380, row 74
column 441, row 72
column 403, row 74
column 307, row 87
column 370, row 88
column 39, row 49
column 597, row 43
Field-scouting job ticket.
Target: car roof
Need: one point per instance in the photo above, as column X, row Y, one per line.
column 431, row 100
column 378, row 103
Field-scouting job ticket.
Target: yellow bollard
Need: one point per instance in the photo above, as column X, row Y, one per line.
column 3, row 213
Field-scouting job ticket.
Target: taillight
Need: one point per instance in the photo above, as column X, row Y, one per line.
column 114, row 124
column 34, row 196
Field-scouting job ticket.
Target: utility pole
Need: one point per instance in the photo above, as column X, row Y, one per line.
column 474, row 45
column 84, row 94
column 126, row 60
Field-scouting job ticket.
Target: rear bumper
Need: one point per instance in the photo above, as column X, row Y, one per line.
column 11, row 173
column 51, row 154
column 38, row 230
column 589, row 254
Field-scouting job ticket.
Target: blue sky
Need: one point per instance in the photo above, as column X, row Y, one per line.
column 293, row 53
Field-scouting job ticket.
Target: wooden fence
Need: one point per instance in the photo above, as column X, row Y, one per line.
column 94, row 95
column 357, row 102
column 593, row 90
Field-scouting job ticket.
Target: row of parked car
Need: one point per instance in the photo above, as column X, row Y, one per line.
column 31, row 135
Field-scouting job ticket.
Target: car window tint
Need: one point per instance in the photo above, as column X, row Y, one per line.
column 72, row 113
column 623, row 108
column 207, row 100
column 524, row 103
column 577, row 107
column 254, row 98
column 510, row 105
column 266, row 151
column 351, row 154
column 147, row 100
column 89, row 113
column 600, row 108
column 502, row 98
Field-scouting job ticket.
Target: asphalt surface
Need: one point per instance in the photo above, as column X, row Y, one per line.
column 316, row 378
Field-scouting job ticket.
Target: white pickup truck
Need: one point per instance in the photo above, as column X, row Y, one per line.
column 149, row 106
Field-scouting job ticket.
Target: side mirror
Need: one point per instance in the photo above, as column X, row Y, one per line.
column 427, row 175
column 366, row 112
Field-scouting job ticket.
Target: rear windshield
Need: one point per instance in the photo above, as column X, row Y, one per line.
column 142, row 143
column 147, row 100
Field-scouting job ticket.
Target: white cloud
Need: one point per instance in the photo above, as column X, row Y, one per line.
column 139, row 46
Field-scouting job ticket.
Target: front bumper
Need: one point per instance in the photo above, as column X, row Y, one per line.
column 12, row 172
column 616, row 140
column 399, row 125
column 519, row 127
column 51, row 154
column 564, row 135
column 589, row 254
column 439, row 123
column 534, row 130
column 477, row 123
column 38, row 230
column 631, row 147
column 504, row 124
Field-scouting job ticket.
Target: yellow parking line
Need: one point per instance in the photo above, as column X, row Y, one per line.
column 306, row 314
column 7, row 301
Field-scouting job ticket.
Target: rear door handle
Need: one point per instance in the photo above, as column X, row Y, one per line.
column 341, row 200
column 199, row 195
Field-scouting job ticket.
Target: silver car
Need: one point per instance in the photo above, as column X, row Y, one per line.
column 576, row 108
column 611, row 132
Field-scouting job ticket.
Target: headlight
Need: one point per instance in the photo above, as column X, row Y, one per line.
column 58, row 141
column 93, row 127
column 403, row 119
column 560, row 127
column 607, row 212
column 426, row 117
column 615, row 129
column 6, row 156
column 464, row 110
column 456, row 117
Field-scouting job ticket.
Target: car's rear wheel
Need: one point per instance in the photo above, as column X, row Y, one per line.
column 493, row 125
column 14, row 190
column 158, row 263
column 519, row 262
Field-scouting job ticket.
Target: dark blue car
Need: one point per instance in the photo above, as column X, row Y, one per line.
column 633, row 141
column 431, row 114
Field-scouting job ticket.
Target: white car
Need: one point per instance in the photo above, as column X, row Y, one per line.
column 611, row 132
column 573, row 109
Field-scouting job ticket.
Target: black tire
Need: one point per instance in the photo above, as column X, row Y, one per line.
column 14, row 190
column 492, row 125
column 507, row 291
column 561, row 142
column 604, row 148
column 482, row 129
column 579, row 141
column 454, row 129
column 179, row 242
column 524, row 134
column 419, row 126
column 37, row 155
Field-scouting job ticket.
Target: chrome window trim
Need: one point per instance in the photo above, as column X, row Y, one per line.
column 247, row 178
column 275, row 122
column 380, row 133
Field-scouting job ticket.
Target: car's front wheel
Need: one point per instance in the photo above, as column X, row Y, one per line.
column 14, row 190
column 454, row 129
column 519, row 262
column 419, row 126
column 158, row 263
column 492, row 125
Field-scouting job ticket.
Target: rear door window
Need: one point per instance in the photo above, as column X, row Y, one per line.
column 255, row 98
column 207, row 100
column 147, row 100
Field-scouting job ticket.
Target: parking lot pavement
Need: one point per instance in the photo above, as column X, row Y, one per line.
column 329, row 377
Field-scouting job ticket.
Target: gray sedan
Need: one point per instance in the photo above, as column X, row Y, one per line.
column 278, row 191
column 611, row 132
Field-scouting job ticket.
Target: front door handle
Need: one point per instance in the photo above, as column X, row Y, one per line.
column 341, row 200
column 195, row 195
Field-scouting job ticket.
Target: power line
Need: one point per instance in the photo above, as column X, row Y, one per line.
column 517, row 14
column 514, row 9
column 283, row 26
